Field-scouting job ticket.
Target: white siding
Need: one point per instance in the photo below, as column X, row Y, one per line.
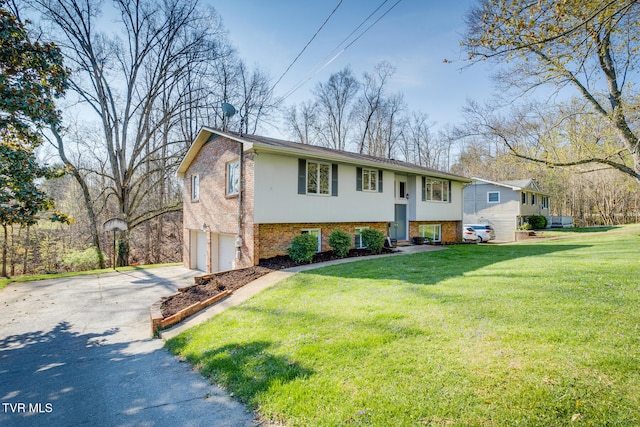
column 437, row 211
column 277, row 200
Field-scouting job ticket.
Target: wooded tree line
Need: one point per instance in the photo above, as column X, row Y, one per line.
column 144, row 77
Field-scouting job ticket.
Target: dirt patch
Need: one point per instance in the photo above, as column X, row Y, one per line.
column 211, row 285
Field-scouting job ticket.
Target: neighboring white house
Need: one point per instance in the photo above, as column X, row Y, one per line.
column 505, row 205
column 246, row 197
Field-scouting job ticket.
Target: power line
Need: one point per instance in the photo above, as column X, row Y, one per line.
column 306, row 46
column 319, row 68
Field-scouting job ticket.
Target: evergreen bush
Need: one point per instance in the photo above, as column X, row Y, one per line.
column 537, row 222
column 373, row 240
column 340, row 241
column 303, row 248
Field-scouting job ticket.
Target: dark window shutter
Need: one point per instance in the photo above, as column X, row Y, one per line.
column 334, row 179
column 424, row 189
column 379, row 181
column 302, row 176
column 358, row 179
column 449, row 192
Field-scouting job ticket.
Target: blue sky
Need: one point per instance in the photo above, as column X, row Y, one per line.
column 415, row 36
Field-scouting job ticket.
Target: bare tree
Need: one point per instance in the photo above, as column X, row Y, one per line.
column 335, row 99
column 371, row 101
column 591, row 46
column 302, row 123
column 138, row 85
column 256, row 97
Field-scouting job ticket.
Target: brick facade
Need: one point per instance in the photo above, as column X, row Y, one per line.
column 274, row 239
column 451, row 231
column 214, row 211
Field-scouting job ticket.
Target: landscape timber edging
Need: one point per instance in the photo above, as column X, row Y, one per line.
column 159, row 322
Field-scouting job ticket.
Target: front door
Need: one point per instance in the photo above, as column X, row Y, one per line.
column 398, row 228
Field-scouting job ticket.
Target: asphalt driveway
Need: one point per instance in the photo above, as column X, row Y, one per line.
column 78, row 351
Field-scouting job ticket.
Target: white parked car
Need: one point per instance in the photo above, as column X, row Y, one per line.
column 485, row 231
column 469, row 235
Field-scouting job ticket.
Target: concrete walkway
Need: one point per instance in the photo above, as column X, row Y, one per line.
column 78, row 351
column 270, row 279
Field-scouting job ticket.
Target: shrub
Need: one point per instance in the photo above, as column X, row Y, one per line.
column 303, row 248
column 537, row 221
column 340, row 241
column 82, row 260
column 373, row 240
column 525, row 226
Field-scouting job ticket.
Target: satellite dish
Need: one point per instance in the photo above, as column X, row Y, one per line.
column 228, row 109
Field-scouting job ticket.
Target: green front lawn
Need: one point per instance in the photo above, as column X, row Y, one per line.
column 540, row 334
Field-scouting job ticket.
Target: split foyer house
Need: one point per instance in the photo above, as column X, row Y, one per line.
column 504, row 205
column 246, row 197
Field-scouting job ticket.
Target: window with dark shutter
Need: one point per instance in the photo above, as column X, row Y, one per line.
column 302, row 176
column 334, row 180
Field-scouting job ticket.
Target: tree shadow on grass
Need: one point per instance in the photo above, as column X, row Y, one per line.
column 246, row 369
column 430, row 268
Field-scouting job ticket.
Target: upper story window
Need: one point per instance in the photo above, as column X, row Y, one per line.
column 369, row 180
column 233, row 178
column 195, row 187
column 545, row 202
column 524, row 198
column 402, row 189
column 533, row 199
column 493, row 197
column 317, row 178
column 435, row 190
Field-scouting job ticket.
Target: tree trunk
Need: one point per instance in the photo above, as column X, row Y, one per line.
column 123, row 249
column 86, row 195
column 5, row 248
column 26, row 251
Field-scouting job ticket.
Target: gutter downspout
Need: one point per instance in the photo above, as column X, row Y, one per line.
column 240, row 203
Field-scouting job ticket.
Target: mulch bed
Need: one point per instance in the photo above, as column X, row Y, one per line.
column 211, row 285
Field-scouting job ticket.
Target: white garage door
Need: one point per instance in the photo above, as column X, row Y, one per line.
column 201, row 251
column 226, row 252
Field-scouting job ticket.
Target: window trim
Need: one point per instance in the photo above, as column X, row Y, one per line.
column 523, row 198
column 358, row 234
column 195, row 187
column 422, row 234
column 545, row 202
column 318, row 177
column 371, row 173
column 314, row 230
column 489, row 193
column 228, row 191
column 427, row 190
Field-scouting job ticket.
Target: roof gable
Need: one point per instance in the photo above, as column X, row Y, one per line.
column 515, row 185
